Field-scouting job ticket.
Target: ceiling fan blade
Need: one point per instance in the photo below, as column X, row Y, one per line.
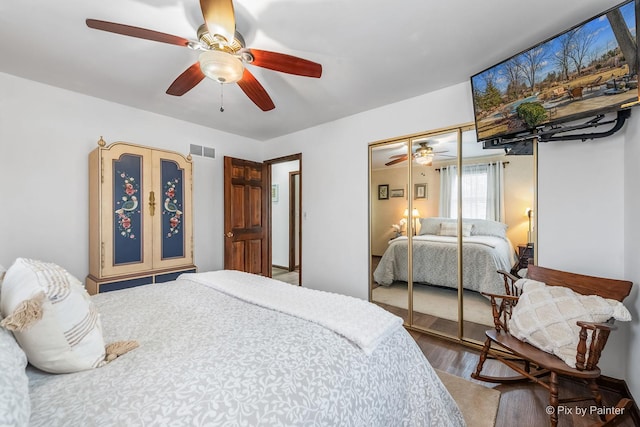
column 398, row 160
column 397, row 155
column 254, row 90
column 220, row 18
column 285, row 63
column 186, row 81
column 141, row 33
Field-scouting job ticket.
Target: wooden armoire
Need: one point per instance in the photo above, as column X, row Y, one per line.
column 140, row 216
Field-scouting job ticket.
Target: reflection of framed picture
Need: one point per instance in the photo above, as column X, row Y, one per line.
column 420, row 191
column 274, row 193
column 383, row 192
column 397, row 192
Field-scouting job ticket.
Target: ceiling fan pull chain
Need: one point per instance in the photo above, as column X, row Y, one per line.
column 221, row 97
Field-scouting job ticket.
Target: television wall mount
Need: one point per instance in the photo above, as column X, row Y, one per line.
column 519, row 143
column 556, row 133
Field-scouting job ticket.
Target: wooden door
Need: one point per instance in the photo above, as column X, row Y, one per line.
column 245, row 216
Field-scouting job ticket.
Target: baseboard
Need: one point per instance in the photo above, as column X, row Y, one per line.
column 620, row 387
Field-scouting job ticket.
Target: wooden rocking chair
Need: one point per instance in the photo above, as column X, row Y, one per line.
column 526, row 355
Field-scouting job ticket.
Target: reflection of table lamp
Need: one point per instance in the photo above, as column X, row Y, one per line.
column 529, row 213
column 414, row 216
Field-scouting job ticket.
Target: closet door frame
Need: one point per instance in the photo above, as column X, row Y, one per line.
column 459, row 129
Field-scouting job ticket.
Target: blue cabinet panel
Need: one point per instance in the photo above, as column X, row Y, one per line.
column 127, row 219
column 124, row 284
column 172, row 180
column 161, row 278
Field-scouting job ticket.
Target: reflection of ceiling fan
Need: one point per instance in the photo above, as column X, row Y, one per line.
column 223, row 56
column 423, row 155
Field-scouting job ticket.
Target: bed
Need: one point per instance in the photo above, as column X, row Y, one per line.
column 485, row 249
column 231, row 348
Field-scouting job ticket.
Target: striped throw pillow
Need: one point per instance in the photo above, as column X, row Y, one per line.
column 52, row 317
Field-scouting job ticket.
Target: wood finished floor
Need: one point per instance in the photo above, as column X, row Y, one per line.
column 283, row 275
column 521, row 404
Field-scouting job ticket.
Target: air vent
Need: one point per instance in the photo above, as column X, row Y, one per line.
column 209, row 152
column 199, row 150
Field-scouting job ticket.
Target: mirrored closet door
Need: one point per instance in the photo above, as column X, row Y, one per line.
column 445, row 214
column 389, row 226
column 497, row 199
column 434, row 245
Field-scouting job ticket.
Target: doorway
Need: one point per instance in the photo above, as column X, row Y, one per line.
column 285, row 234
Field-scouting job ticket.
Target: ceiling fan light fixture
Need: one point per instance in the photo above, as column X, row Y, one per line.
column 425, row 159
column 221, row 66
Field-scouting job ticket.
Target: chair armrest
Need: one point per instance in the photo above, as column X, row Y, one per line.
column 606, row 326
column 507, row 297
column 588, row 359
column 509, row 275
column 509, row 282
column 501, row 313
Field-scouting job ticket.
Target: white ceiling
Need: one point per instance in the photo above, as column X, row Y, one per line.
column 373, row 52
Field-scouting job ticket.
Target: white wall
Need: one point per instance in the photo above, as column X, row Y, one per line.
column 46, row 135
column 581, row 205
column 632, row 245
column 335, row 181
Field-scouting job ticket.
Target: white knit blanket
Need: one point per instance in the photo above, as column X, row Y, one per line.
column 362, row 323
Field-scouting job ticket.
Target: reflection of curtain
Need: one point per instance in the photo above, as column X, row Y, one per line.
column 448, row 182
column 482, row 191
column 495, row 192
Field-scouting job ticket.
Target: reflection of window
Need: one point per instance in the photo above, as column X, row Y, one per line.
column 474, row 192
column 482, row 191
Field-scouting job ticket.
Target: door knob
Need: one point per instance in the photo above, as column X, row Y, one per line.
column 229, row 234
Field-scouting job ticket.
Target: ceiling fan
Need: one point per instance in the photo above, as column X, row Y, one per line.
column 223, row 54
column 423, row 155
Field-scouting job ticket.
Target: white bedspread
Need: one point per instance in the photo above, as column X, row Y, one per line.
column 207, row 358
column 435, row 262
column 366, row 325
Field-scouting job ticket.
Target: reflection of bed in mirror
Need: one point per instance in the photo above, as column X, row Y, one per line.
column 485, row 250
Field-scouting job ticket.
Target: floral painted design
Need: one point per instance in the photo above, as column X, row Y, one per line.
column 172, row 207
column 127, row 205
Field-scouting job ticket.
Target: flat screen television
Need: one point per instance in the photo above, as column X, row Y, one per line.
column 587, row 70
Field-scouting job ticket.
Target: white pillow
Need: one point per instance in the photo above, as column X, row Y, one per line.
column 15, row 406
column 68, row 335
column 430, row 225
column 485, row 227
column 546, row 317
column 451, row 229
